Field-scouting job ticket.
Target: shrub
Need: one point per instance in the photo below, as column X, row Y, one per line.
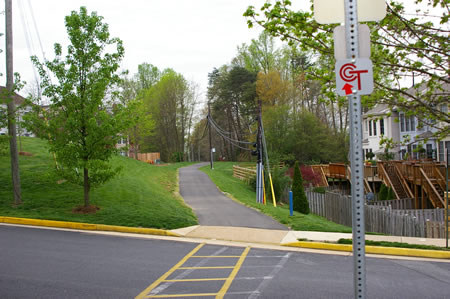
column 4, row 145
column 320, row 190
column 300, row 201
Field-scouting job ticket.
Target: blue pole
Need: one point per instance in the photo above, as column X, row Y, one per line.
column 291, row 204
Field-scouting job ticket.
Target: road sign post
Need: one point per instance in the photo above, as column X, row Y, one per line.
column 356, row 156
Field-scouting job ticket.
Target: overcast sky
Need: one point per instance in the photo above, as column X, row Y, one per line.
column 190, row 36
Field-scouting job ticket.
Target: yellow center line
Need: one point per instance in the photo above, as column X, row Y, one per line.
column 167, row 274
column 200, row 268
column 182, row 295
column 230, row 278
column 194, row 279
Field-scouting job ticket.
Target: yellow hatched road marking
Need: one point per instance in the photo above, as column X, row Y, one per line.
column 219, row 256
column 167, row 274
column 230, row 278
column 194, row 279
column 200, row 268
column 182, row 295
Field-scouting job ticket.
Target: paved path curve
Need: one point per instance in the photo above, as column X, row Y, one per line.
column 213, row 208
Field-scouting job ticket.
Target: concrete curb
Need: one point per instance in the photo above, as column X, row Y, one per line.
column 88, row 226
column 437, row 254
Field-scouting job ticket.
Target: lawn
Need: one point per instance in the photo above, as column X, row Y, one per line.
column 222, row 176
column 142, row 195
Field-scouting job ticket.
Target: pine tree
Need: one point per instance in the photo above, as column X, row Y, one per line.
column 300, row 201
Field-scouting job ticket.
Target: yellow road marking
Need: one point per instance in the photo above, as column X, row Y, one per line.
column 167, row 274
column 194, row 279
column 219, row 256
column 182, row 295
column 200, row 268
column 230, row 278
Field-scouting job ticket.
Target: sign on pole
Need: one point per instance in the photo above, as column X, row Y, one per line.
column 354, row 76
column 332, row 11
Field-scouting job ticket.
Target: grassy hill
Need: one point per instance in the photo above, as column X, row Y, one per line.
column 142, row 195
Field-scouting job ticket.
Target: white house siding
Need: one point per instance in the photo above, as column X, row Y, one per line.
column 372, row 128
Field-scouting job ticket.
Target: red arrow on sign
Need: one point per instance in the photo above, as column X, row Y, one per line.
column 348, row 88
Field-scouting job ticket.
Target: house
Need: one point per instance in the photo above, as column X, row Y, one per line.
column 415, row 139
column 22, row 109
column 377, row 123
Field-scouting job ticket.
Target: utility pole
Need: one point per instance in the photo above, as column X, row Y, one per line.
column 210, row 144
column 11, row 105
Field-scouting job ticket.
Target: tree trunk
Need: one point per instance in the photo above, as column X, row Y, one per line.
column 87, row 187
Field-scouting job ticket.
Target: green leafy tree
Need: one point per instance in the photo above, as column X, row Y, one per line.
column 82, row 128
column 300, row 201
column 403, row 45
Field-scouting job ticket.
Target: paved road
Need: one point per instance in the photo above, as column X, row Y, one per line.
column 41, row 263
column 214, row 208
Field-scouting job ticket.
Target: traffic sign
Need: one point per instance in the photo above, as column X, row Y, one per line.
column 332, row 11
column 354, row 76
column 340, row 48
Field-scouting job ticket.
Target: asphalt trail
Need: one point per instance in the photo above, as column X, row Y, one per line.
column 214, row 208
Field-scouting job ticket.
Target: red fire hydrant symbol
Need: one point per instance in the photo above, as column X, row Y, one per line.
column 348, row 73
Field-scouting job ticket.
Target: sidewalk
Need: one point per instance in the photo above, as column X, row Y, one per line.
column 311, row 240
column 255, row 235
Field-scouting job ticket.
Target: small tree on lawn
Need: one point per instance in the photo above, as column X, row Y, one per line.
column 81, row 126
column 300, row 201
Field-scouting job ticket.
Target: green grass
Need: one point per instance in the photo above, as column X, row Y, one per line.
column 142, row 195
column 395, row 244
column 222, row 176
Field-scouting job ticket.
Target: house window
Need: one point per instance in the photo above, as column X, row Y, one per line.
column 429, row 151
column 441, row 151
column 413, row 123
column 374, row 128
column 382, row 126
column 402, row 122
column 370, row 128
column 365, row 125
column 444, row 108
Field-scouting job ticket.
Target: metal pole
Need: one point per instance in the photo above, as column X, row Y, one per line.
column 291, row 203
column 210, row 144
column 446, row 202
column 356, row 154
column 11, row 105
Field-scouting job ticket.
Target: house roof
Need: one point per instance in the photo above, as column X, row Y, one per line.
column 18, row 99
column 379, row 109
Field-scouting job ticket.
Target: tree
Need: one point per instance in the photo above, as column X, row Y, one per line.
column 403, row 46
column 300, row 201
column 82, row 128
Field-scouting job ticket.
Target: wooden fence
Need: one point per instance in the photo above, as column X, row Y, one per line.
column 148, row 157
column 380, row 219
column 395, row 204
column 243, row 173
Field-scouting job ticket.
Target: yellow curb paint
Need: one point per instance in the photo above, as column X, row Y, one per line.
column 144, row 293
column 230, row 278
column 438, row 254
column 87, row 226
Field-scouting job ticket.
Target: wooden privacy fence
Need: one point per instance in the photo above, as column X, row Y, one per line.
column 148, row 157
column 378, row 218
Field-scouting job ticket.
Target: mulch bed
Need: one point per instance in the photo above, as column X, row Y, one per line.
column 86, row 210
